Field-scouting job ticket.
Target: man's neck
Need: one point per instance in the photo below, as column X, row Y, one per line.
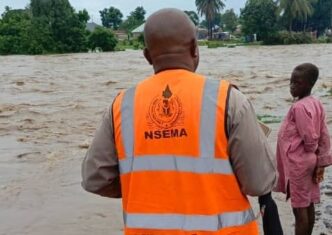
column 173, row 61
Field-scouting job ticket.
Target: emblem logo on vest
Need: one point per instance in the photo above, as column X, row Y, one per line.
column 165, row 117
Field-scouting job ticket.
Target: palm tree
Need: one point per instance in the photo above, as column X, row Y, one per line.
column 209, row 8
column 296, row 10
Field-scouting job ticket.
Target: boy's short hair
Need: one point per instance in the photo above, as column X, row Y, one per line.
column 309, row 71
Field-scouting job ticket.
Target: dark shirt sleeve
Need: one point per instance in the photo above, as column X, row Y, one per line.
column 252, row 159
column 100, row 168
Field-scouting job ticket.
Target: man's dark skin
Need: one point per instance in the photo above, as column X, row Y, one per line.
column 170, row 44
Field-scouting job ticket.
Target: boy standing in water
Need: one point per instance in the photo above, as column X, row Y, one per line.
column 303, row 149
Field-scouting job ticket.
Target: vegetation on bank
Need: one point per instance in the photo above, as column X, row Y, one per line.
column 288, row 22
column 53, row 26
column 45, row 27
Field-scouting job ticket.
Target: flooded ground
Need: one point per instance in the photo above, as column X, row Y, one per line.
column 51, row 105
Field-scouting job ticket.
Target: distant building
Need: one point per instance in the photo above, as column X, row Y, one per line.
column 91, row 26
column 121, row 34
column 238, row 29
column 138, row 31
column 221, row 36
column 201, row 33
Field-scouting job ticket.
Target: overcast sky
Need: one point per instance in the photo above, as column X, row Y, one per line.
column 125, row 6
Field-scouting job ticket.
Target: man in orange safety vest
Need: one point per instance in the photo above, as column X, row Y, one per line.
column 182, row 151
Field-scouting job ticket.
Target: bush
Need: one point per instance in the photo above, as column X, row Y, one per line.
column 273, row 39
column 141, row 39
column 324, row 39
column 103, row 38
column 137, row 45
column 287, row 38
column 215, row 44
column 203, row 43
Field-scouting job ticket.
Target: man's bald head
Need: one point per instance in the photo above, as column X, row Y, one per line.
column 169, row 33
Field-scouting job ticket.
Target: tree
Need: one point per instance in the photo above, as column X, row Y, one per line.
column 83, row 16
column 193, row 16
column 103, row 38
column 135, row 19
column 45, row 26
column 322, row 16
column 41, row 38
column 260, row 17
column 14, row 31
column 215, row 21
column 296, row 10
column 139, row 14
column 60, row 19
column 209, row 8
column 229, row 20
column 111, row 18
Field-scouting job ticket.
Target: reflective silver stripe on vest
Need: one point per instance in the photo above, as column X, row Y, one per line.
column 208, row 118
column 127, row 121
column 188, row 222
column 175, row 163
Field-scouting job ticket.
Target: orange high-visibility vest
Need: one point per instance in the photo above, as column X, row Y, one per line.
column 176, row 176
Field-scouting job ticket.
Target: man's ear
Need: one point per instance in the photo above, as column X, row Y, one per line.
column 194, row 49
column 147, row 55
column 194, row 53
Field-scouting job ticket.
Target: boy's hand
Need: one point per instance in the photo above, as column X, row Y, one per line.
column 319, row 175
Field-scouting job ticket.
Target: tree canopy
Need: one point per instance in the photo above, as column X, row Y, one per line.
column 57, row 18
column 259, row 17
column 319, row 20
column 135, row 19
column 193, row 16
column 111, row 17
column 102, row 38
column 296, row 10
column 229, row 20
column 14, row 31
column 45, row 26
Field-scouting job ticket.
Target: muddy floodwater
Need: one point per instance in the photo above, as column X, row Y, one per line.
column 50, row 107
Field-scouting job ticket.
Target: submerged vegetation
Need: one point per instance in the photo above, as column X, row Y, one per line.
column 269, row 119
column 330, row 92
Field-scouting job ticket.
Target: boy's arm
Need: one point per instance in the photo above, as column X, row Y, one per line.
column 305, row 126
column 315, row 141
column 100, row 168
column 324, row 145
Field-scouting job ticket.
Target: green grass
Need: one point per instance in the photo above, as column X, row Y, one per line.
column 215, row 44
column 133, row 44
column 228, row 43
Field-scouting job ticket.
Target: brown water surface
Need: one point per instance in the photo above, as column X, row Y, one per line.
column 51, row 105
